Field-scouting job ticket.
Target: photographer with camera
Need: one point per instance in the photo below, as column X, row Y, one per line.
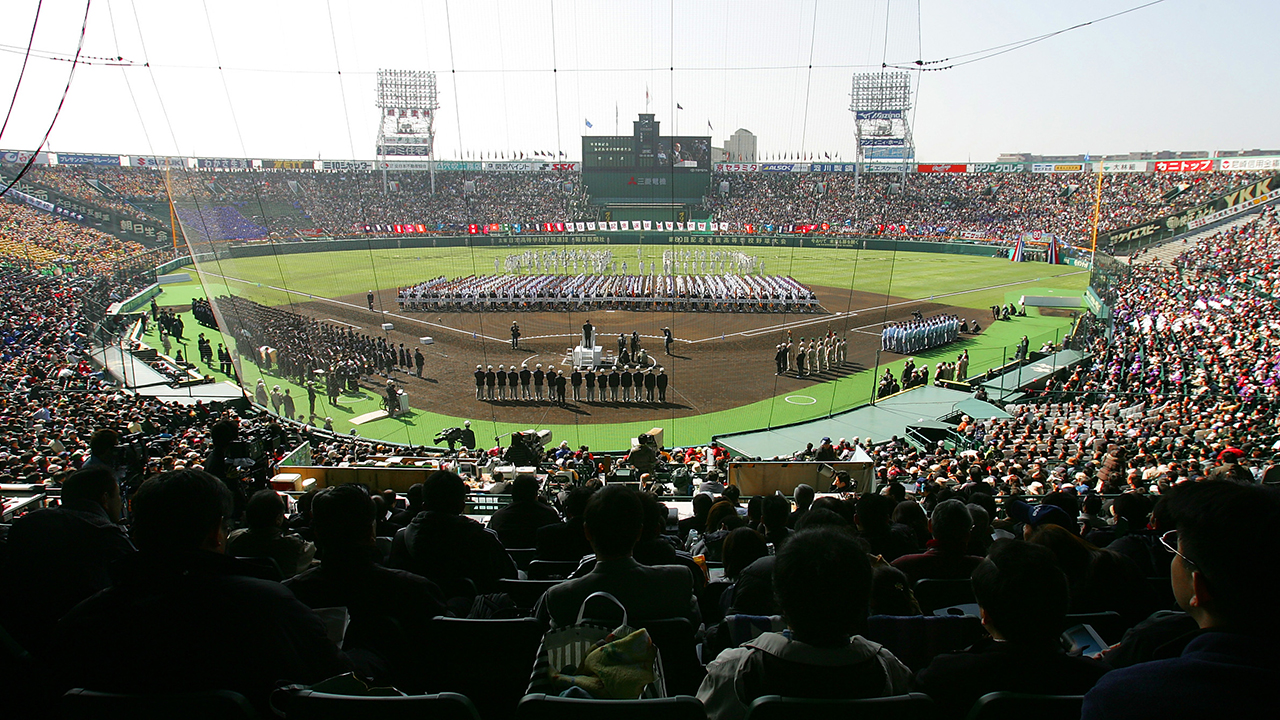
column 223, row 434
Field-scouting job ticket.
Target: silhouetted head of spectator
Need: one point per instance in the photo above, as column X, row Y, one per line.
column 223, row 433
column 1226, row 538
column 702, row 503
column 891, row 592
column 655, row 516
column 1022, row 593
column 951, row 523
column 732, row 494
column 822, row 579
column 181, row 510
column 343, row 518
column 755, row 509
column 524, row 489
column 414, row 496
column 719, row 513
column 873, row 513
column 1069, row 502
column 95, row 485
column 444, row 492
column 896, row 490
column 265, row 510
column 822, row 517
column 909, row 513
column 777, row 509
column 803, row 497
column 1092, row 503
column 614, row 521
column 1134, row 509
column 575, row 503
column 742, row 546
column 103, row 444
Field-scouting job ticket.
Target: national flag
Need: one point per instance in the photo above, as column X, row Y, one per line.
column 709, row 126
column 588, row 122
column 678, row 106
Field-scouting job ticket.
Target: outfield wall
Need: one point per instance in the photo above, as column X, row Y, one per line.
column 261, row 249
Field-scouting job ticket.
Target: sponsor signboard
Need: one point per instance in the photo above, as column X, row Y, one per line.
column 223, row 163
column 506, row 166
column 779, row 167
column 86, row 159
column 353, row 165
column 942, row 168
column 405, row 150
column 561, row 166
column 878, row 114
column 175, row 163
column 289, row 164
column 887, row 167
column 996, row 167
column 738, row 167
column 1250, row 163
column 405, row 165
column 1122, row 166
column 1057, row 167
column 459, row 165
column 1202, row 165
column 1239, row 200
column 881, row 142
column 889, row 153
column 22, row 156
column 833, row 167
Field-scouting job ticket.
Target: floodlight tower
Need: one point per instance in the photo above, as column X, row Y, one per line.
column 879, row 102
column 407, row 101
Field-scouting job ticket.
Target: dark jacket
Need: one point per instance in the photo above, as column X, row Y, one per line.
column 562, row 541
column 192, row 620
column 517, row 524
column 445, row 548
column 390, row 612
column 955, row 681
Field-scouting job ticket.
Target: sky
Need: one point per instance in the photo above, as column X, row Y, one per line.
column 295, row 79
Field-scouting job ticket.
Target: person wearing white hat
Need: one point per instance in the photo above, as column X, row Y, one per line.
column 479, row 373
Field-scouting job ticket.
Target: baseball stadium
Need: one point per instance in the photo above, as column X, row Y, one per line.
column 355, row 364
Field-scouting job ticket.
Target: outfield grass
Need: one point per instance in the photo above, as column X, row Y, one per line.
column 965, row 281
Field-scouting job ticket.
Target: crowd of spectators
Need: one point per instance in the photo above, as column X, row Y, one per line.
column 1150, row 459
column 40, row 239
column 1003, row 206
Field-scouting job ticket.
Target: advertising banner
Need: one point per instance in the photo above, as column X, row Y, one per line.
column 888, row 167
column 458, row 165
column 561, row 166
column 1122, row 166
column 405, row 165
column 1202, row 165
column 996, row 167
column 1237, row 201
column 508, row 166
column 881, row 142
column 223, row 163
column 22, row 156
column 833, row 167
column 405, row 150
column 1250, row 163
column 173, row 163
column 784, row 167
column 289, row 164
column 942, row 168
column 889, row 153
column 1057, row 167
column 352, row 165
column 878, row 114
column 738, row 167
column 85, row 159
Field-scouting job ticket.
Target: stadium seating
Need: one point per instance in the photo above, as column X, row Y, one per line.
column 549, row 707
column 81, row 704
column 1018, row 706
column 299, row 704
column 914, row 706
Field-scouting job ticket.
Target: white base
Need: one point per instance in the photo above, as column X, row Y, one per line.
column 582, row 357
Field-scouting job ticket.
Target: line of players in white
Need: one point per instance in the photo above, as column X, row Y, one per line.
column 914, row 336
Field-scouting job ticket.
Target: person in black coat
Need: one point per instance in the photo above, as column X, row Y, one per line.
column 615, row 381
column 650, row 383
column 624, row 380
column 479, row 374
column 1023, row 597
column 576, row 380
column 637, row 382
column 525, row 377
column 181, row 597
column 661, row 382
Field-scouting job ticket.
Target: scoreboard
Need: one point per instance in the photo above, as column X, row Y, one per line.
column 646, row 167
